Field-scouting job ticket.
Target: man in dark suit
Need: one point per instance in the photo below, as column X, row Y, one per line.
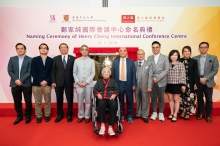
column 41, row 71
column 208, row 67
column 19, row 69
column 62, row 79
column 123, row 71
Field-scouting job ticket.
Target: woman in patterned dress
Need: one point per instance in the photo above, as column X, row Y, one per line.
column 188, row 98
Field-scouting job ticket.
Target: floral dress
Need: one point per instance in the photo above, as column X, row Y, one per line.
column 188, row 99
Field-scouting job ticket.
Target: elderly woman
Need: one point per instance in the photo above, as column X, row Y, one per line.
column 106, row 90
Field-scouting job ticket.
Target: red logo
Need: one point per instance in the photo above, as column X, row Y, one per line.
column 127, row 18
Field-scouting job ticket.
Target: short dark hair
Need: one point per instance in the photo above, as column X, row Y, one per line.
column 172, row 52
column 156, row 42
column 204, row 43
column 188, row 48
column 63, row 44
column 43, row 44
column 20, row 44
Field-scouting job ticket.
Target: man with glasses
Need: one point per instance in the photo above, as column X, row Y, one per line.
column 208, row 67
column 62, row 79
column 41, row 71
column 160, row 65
column 84, row 72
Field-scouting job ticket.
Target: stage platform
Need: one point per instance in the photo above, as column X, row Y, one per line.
column 7, row 109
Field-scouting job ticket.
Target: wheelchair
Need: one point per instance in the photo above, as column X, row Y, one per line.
column 95, row 117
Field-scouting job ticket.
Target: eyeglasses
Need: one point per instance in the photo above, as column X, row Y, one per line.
column 203, row 47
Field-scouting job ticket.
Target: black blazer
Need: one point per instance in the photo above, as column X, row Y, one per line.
column 40, row 72
column 63, row 77
column 192, row 73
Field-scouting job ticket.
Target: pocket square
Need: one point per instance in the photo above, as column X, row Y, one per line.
column 210, row 61
column 146, row 67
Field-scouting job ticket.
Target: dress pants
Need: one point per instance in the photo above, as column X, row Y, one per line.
column 69, row 98
column 201, row 91
column 113, row 107
column 38, row 91
column 17, row 96
column 142, row 102
column 84, row 93
column 157, row 93
column 129, row 98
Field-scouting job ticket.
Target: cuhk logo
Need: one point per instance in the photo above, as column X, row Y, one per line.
column 127, row 18
column 52, row 19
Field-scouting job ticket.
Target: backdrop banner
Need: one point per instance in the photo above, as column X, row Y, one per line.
column 173, row 27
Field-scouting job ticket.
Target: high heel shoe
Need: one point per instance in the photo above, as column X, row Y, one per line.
column 186, row 117
column 170, row 117
column 174, row 119
column 182, row 115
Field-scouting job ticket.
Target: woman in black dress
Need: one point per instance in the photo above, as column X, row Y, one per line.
column 106, row 90
column 188, row 98
column 176, row 81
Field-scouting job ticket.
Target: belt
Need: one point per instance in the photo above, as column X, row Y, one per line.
column 202, row 76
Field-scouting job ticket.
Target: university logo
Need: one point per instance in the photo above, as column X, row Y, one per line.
column 127, row 18
column 52, row 19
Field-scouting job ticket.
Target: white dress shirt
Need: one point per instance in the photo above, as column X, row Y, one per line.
column 156, row 57
column 66, row 57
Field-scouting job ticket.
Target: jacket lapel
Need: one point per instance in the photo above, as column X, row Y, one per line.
column 24, row 61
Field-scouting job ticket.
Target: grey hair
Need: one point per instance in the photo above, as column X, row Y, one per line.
column 140, row 50
column 106, row 68
column 84, row 46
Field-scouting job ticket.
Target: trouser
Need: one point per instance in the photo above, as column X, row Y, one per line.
column 17, row 96
column 38, row 91
column 201, row 91
column 142, row 102
column 113, row 107
column 84, row 93
column 157, row 93
column 69, row 98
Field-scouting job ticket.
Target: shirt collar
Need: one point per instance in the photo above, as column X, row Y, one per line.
column 22, row 57
column 157, row 55
column 124, row 59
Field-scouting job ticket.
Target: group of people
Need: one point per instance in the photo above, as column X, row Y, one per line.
column 181, row 78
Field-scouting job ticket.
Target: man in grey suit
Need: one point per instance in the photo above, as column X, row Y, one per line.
column 208, row 67
column 83, row 73
column 19, row 69
column 144, row 86
column 160, row 65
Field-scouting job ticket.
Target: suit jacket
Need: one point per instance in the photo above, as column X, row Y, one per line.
column 41, row 72
column 63, row 77
column 131, row 72
column 84, row 71
column 25, row 73
column 192, row 72
column 210, row 70
column 177, row 74
column 146, row 75
column 160, row 70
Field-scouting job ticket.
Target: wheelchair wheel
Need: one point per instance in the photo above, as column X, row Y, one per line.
column 120, row 128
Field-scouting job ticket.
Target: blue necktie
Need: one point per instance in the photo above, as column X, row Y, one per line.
column 140, row 64
column 64, row 62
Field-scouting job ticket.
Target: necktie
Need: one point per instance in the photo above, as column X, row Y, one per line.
column 64, row 62
column 140, row 64
column 122, row 70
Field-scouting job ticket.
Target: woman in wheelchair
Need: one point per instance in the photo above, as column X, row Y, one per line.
column 106, row 90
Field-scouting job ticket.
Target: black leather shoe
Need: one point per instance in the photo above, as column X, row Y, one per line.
column 145, row 120
column 87, row 120
column 135, row 117
column 200, row 117
column 69, row 118
column 208, row 119
column 19, row 119
column 28, row 120
column 39, row 120
column 58, row 119
column 47, row 119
